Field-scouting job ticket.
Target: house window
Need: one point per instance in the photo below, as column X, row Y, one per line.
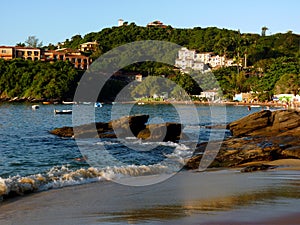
column 79, row 60
column 73, row 60
column 36, row 53
column 61, row 57
column 29, row 53
column 36, row 58
column 29, row 58
column 3, row 51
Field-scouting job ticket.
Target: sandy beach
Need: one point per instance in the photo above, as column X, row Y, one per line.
column 189, row 197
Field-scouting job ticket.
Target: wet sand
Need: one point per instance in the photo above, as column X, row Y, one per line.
column 189, row 197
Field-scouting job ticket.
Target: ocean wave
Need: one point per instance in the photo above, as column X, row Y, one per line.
column 58, row 177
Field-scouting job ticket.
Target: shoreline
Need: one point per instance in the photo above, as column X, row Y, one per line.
column 212, row 197
column 59, row 101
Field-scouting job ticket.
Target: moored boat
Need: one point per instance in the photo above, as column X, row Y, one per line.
column 98, row 105
column 64, row 111
column 34, row 107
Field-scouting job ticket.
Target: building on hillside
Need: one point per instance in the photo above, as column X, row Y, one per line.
column 28, row 53
column 156, row 23
column 190, row 59
column 243, row 97
column 210, row 95
column 120, row 22
column 187, row 60
column 75, row 57
column 6, row 52
column 89, row 46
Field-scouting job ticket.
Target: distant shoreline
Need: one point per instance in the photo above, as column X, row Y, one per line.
column 166, row 102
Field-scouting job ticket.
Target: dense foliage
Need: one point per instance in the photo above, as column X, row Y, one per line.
column 211, row 39
column 273, row 60
column 20, row 78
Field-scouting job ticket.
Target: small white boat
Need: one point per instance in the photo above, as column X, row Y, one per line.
column 34, row 107
column 68, row 103
column 64, row 111
column 98, row 105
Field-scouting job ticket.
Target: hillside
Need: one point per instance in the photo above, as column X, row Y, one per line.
column 211, row 39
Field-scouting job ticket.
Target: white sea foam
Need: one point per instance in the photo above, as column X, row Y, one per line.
column 58, row 177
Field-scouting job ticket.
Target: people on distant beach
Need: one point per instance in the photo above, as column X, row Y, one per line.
column 249, row 108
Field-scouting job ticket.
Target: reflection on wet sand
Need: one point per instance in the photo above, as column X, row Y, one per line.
column 270, row 196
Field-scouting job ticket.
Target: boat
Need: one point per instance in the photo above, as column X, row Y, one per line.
column 64, row 111
column 34, row 107
column 68, row 103
column 98, row 105
column 46, row 103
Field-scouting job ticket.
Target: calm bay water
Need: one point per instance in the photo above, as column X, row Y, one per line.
column 28, row 148
column 31, row 159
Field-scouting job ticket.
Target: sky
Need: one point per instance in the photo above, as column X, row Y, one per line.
column 56, row 20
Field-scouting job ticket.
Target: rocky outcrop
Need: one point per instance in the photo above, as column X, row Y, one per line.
column 161, row 132
column 128, row 126
column 267, row 123
column 261, row 136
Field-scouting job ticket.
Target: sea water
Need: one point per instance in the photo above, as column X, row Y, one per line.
column 32, row 159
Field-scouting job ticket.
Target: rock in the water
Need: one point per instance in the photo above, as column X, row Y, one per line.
column 250, row 123
column 161, row 132
column 261, row 136
column 63, row 132
column 267, row 123
column 128, row 126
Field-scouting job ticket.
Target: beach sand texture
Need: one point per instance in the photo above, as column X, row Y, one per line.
column 189, row 197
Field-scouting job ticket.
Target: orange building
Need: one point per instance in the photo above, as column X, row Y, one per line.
column 27, row 53
column 6, row 52
column 75, row 57
column 11, row 52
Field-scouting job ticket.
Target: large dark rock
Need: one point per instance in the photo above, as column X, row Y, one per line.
column 128, row 126
column 261, row 136
column 250, row 123
column 267, row 123
column 161, row 132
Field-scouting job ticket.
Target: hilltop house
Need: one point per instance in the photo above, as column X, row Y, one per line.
column 156, row 23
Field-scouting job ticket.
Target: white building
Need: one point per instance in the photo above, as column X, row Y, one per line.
column 189, row 59
column 120, row 22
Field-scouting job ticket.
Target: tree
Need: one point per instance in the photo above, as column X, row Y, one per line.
column 20, row 44
column 263, row 31
column 33, row 41
column 288, row 84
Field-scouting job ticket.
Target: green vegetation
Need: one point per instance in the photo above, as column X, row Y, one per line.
column 20, row 78
column 211, row 39
column 272, row 64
